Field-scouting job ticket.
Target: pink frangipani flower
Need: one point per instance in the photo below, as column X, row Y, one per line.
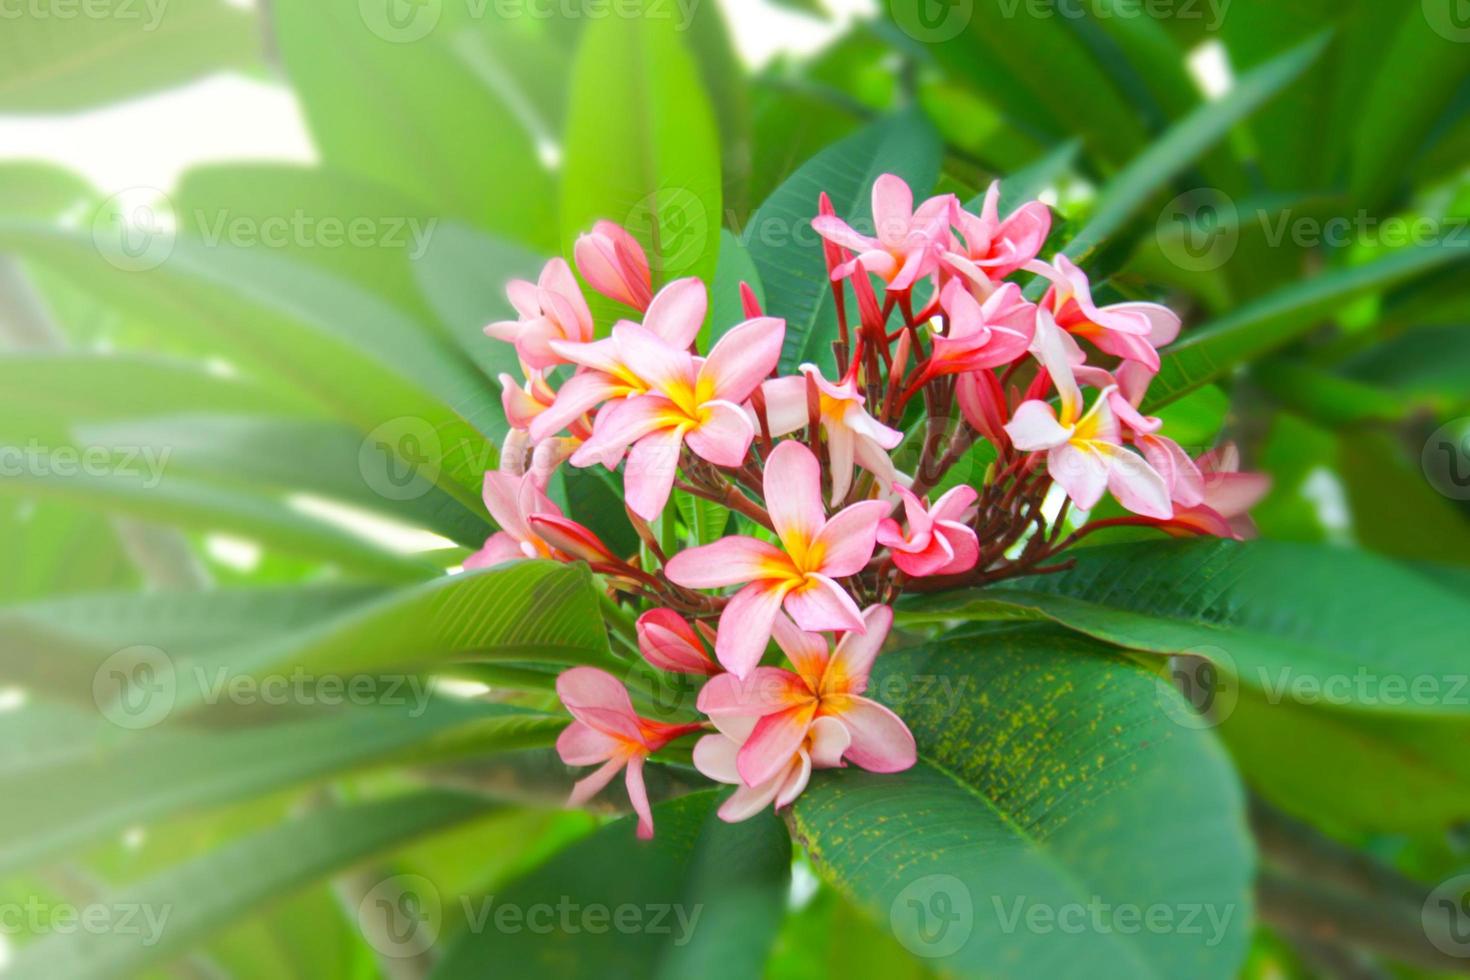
column 851, row 434
column 550, row 309
column 907, row 245
column 991, row 249
column 981, row 336
column 823, row 685
column 800, row 575
column 717, row 757
column 1085, row 453
column 1228, row 497
column 1167, row 457
column 614, row 264
column 1133, row 331
column 667, row 641
column 939, row 539
column 531, row 526
column 688, row 401
column 606, row 730
column 674, row 317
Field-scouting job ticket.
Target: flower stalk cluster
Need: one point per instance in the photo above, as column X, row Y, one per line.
column 844, row 487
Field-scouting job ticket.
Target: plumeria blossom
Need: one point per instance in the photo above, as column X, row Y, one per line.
column 750, row 552
column 1133, row 331
column 674, row 317
column 531, row 526
column 1167, row 457
column 1085, row 453
column 989, row 249
column 550, row 309
column 800, row 576
column 614, row 264
column 851, row 434
column 939, row 540
column 981, row 336
column 787, row 703
column 908, row 243
column 606, row 730
column 688, row 401
column 667, row 641
column 717, row 757
column 1228, row 497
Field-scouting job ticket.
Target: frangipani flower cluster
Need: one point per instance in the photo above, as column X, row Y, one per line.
column 840, row 485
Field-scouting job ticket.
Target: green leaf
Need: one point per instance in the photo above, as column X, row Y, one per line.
column 1396, row 511
column 40, row 190
column 48, row 396
column 140, row 485
column 522, row 611
column 736, row 266
column 189, row 902
column 1282, row 316
column 718, row 888
column 1429, row 364
column 1185, row 142
column 270, row 456
column 641, row 147
column 282, row 323
column 364, row 232
column 1045, row 764
column 116, row 778
column 400, row 101
column 50, row 62
column 1383, row 775
column 1278, row 615
column 788, row 254
column 1419, row 74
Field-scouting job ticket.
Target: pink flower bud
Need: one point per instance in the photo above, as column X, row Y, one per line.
column 668, row 642
column 613, row 263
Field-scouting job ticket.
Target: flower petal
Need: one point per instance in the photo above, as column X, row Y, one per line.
column 677, row 312
column 745, row 627
column 881, row 742
column 743, row 358
column 852, row 661
column 638, row 796
column 774, row 741
column 821, row 604
column 725, row 435
column 648, row 476
column 846, row 542
column 589, row 786
column 583, row 745
column 714, row 756
column 728, row 561
column 793, row 490
column 828, row 740
column 1034, row 427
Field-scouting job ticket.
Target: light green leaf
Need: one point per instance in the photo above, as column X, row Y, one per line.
column 50, row 62
column 1277, row 615
column 736, row 266
column 191, row 901
column 399, row 100
column 1045, row 762
column 642, row 148
column 788, row 254
column 117, row 778
column 1280, row 317
column 292, row 326
column 722, row 889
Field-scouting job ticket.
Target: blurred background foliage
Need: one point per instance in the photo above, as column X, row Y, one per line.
column 1254, row 163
